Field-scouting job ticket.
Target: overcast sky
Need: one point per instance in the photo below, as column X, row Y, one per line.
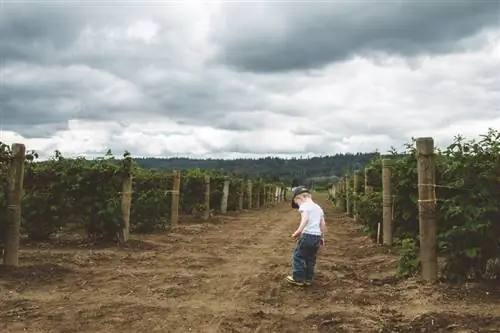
column 199, row 78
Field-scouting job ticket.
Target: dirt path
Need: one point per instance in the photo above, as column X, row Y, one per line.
column 228, row 277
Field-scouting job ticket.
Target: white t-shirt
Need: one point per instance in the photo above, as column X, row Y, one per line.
column 315, row 215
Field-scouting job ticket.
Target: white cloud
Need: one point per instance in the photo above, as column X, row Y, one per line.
column 147, row 82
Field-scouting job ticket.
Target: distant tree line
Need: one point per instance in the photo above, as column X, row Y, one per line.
column 314, row 171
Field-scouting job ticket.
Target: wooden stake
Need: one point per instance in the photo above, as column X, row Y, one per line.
column 426, row 167
column 206, row 214
column 357, row 183
column 174, row 211
column 342, row 201
column 387, row 202
column 126, row 201
column 241, row 195
column 225, row 196
column 13, row 230
column 368, row 184
column 258, row 188
column 378, row 233
column 265, row 195
column 348, row 194
column 249, row 191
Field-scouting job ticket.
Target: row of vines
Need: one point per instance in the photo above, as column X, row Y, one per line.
column 79, row 194
column 468, row 207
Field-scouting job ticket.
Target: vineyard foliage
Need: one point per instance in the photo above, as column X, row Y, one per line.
column 468, row 206
column 80, row 194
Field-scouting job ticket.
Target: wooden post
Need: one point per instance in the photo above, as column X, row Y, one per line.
column 175, row 199
column 249, row 191
column 241, row 195
column 15, row 194
column 368, row 184
column 269, row 197
column 341, row 202
column 348, row 194
column 426, row 168
column 265, row 195
column 387, row 225
column 206, row 213
column 336, row 194
column 357, row 182
column 257, row 200
column 225, row 196
column 126, row 201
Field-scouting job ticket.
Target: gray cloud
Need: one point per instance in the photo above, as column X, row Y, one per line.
column 289, row 36
column 242, row 69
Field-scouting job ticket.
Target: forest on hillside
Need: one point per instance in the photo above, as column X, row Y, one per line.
column 315, row 170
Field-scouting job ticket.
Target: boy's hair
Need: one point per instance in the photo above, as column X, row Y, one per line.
column 305, row 195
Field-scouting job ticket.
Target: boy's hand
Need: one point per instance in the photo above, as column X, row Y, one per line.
column 322, row 242
column 296, row 234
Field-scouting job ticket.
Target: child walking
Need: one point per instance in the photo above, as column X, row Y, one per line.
column 310, row 235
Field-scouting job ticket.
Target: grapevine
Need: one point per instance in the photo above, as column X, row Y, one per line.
column 468, row 192
column 80, row 194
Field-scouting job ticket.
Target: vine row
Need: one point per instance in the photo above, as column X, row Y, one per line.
column 467, row 206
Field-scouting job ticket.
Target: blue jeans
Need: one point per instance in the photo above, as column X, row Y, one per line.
column 304, row 257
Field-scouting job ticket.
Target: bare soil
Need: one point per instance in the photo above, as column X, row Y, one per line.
column 228, row 276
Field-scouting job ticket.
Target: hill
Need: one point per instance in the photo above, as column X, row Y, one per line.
column 317, row 170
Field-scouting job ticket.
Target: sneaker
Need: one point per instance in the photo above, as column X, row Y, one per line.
column 291, row 280
column 308, row 283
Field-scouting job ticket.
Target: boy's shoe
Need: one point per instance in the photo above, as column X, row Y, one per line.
column 291, row 280
column 308, row 283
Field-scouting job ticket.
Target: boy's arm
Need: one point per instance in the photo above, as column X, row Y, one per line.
column 303, row 221
column 322, row 226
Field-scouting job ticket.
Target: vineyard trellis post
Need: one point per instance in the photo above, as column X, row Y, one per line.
column 16, row 180
column 249, row 192
column 342, row 200
column 225, row 196
column 338, row 193
column 174, row 213
column 368, row 182
column 267, row 191
column 387, row 221
column 265, row 195
column 258, row 188
column 426, row 168
column 206, row 213
column 126, row 200
column 241, row 195
column 348, row 194
column 357, row 182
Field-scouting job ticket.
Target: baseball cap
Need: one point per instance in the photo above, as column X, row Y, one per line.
column 296, row 191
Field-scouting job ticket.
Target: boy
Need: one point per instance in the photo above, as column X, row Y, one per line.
column 310, row 235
